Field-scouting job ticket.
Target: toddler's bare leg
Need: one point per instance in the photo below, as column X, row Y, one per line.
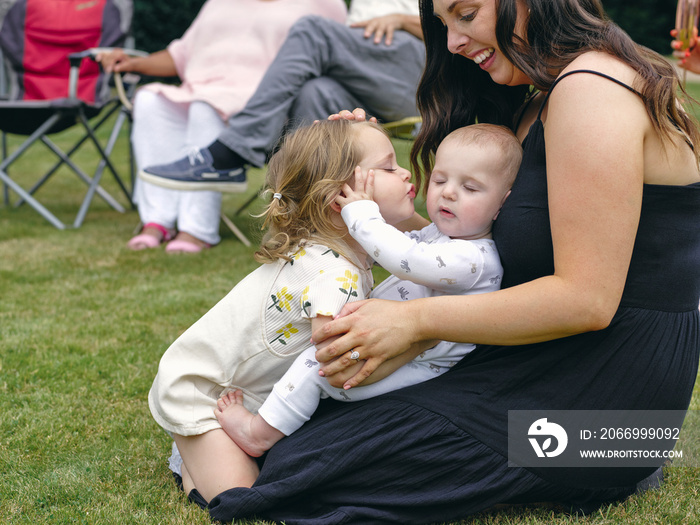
column 250, row 432
column 187, row 483
column 212, row 464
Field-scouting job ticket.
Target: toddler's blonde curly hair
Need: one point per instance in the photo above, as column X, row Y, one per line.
column 307, row 173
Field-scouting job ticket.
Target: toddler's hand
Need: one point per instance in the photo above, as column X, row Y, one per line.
column 363, row 190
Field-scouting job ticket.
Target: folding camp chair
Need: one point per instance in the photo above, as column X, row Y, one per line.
column 406, row 128
column 52, row 88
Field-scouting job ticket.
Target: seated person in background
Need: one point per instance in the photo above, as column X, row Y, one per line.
column 220, row 60
column 475, row 167
column 374, row 62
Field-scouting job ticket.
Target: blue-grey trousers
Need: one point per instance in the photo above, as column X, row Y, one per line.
column 323, row 67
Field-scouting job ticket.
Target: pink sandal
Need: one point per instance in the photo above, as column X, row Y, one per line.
column 180, row 246
column 144, row 241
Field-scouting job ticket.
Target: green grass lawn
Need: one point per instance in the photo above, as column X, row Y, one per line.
column 83, row 323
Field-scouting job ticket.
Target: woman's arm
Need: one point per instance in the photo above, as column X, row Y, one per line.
column 158, row 64
column 595, row 133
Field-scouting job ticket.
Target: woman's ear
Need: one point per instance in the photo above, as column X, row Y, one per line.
column 335, row 206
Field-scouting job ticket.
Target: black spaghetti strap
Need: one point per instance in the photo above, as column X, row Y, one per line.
column 539, row 114
column 524, row 107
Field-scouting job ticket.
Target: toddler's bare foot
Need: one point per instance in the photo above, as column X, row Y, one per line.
column 250, row 432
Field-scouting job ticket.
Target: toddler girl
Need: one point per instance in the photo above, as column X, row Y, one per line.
column 312, row 267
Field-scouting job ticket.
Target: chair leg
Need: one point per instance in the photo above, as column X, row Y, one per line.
column 62, row 160
column 92, row 189
column 19, row 190
column 236, row 231
column 5, row 187
column 247, row 203
column 83, row 176
column 93, row 183
column 132, row 160
column 104, row 154
column 104, row 161
column 32, row 201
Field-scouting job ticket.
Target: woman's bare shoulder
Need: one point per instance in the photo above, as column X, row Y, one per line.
column 603, row 63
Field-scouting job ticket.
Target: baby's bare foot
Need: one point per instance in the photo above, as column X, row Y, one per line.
column 250, row 432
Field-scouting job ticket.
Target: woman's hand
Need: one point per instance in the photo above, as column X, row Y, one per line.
column 377, row 330
column 357, row 114
column 116, row 60
column 382, row 27
column 363, row 190
column 687, row 58
column 158, row 64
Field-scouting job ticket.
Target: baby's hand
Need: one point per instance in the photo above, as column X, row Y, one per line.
column 363, row 190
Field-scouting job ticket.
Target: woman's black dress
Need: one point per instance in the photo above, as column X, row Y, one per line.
column 437, row 451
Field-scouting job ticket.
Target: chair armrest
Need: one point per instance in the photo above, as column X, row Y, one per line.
column 77, row 58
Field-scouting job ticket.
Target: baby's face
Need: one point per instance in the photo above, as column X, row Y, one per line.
column 393, row 190
column 466, row 189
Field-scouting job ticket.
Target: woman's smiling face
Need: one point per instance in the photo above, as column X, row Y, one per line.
column 471, row 32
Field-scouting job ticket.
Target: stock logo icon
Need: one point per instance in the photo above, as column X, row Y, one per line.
column 542, row 433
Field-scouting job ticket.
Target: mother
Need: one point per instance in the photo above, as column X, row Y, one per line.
column 599, row 307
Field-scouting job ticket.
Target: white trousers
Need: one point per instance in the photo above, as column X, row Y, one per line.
column 165, row 131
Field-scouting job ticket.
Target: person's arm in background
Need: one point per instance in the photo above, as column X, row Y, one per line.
column 383, row 27
column 688, row 59
column 158, row 64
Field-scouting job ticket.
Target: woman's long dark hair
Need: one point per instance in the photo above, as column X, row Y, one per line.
column 455, row 92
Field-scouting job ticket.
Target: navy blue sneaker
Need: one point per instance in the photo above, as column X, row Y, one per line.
column 196, row 172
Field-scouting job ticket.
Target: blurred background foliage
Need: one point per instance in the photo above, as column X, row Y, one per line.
column 157, row 22
column 648, row 22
